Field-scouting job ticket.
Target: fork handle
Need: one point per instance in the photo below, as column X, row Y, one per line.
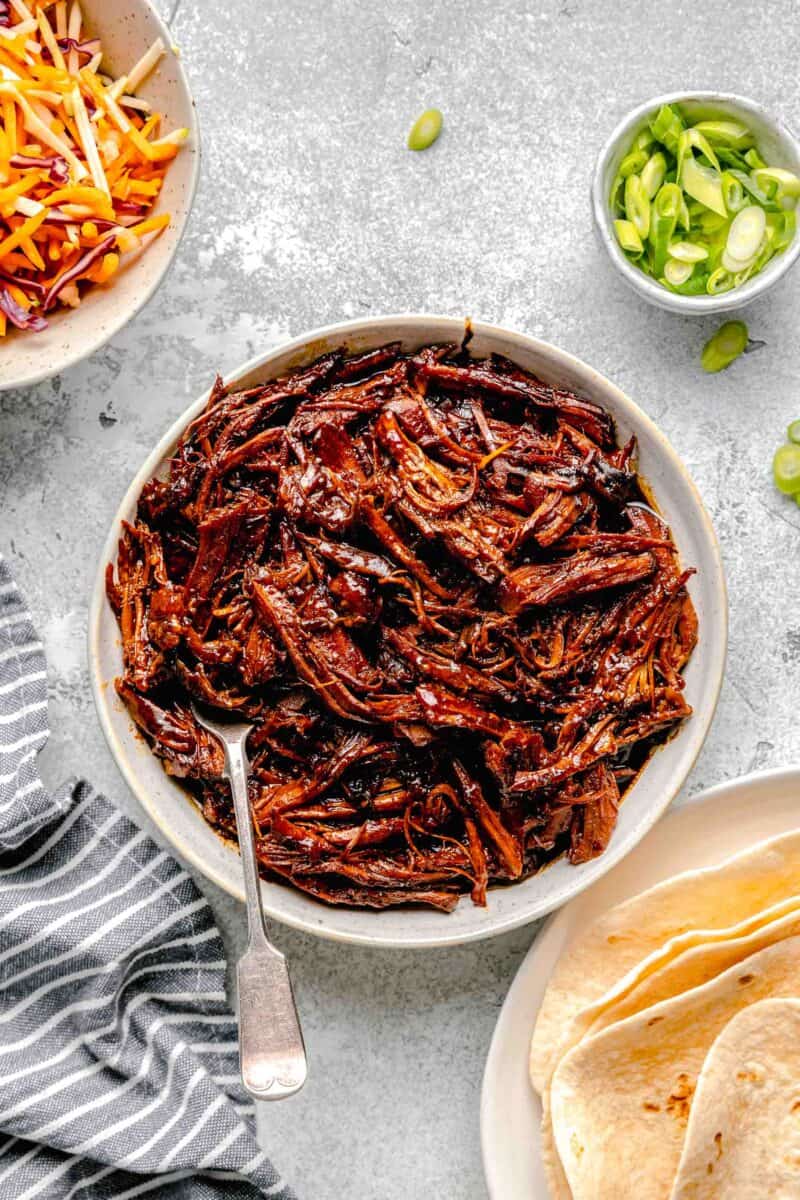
column 271, row 1049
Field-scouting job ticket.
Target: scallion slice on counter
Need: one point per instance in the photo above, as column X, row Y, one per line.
column 425, row 130
column 786, row 469
column 793, row 432
column 701, row 193
column 726, row 345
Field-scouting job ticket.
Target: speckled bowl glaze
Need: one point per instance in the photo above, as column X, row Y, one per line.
column 179, row 818
column 126, row 29
column 780, row 148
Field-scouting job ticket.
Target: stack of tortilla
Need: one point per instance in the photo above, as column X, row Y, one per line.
column 667, row 1048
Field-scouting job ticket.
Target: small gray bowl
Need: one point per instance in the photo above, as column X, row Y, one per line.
column 779, row 147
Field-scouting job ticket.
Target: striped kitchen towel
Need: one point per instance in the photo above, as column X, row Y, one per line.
column 119, row 1070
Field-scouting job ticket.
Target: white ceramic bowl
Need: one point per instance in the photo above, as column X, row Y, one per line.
column 180, row 820
column 779, row 147
column 126, row 29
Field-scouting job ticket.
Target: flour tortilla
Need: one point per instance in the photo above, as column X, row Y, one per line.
column 619, row 1101
column 697, row 964
column 557, row 1186
column 684, row 963
column 620, row 940
column 743, row 1137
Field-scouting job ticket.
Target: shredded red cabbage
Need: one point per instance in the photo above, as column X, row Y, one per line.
column 28, row 285
column 89, row 47
column 5, row 14
column 56, row 217
column 81, row 265
column 59, row 171
column 17, row 314
column 85, row 50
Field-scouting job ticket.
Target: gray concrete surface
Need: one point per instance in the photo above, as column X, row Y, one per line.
column 311, row 210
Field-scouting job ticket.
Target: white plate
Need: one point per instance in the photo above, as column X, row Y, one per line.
column 645, row 801
column 706, row 830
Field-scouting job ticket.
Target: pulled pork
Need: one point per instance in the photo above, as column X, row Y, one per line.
column 434, row 586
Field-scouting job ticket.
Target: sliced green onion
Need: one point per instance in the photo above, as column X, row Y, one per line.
column 628, row 237
column 425, row 130
column 665, row 210
column 632, row 163
column 653, row 173
column 726, row 133
column 726, row 345
column 687, row 252
column 695, row 285
column 785, row 183
column 643, row 140
column 703, row 184
column 732, row 158
column 745, row 233
column 701, row 195
column 617, row 194
column 767, row 250
column 637, row 205
column 709, row 222
column 793, row 432
column 758, row 194
column 754, row 159
column 736, row 266
column 667, row 127
column 733, row 193
column 677, row 272
column 690, row 139
column 742, row 276
column 786, row 469
column 719, row 281
column 784, row 224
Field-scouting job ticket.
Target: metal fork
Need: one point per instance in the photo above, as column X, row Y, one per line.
column 271, row 1049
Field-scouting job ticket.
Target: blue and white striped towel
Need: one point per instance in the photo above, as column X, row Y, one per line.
column 119, row 1072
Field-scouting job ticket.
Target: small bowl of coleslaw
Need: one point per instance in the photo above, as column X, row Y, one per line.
column 99, row 159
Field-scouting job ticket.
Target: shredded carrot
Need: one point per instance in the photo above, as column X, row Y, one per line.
column 21, row 232
column 28, row 247
column 82, row 160
column 151, row 225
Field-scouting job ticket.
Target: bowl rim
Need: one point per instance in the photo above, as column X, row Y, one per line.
column 647, row 288
column 143, row 297
column 694, row 733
